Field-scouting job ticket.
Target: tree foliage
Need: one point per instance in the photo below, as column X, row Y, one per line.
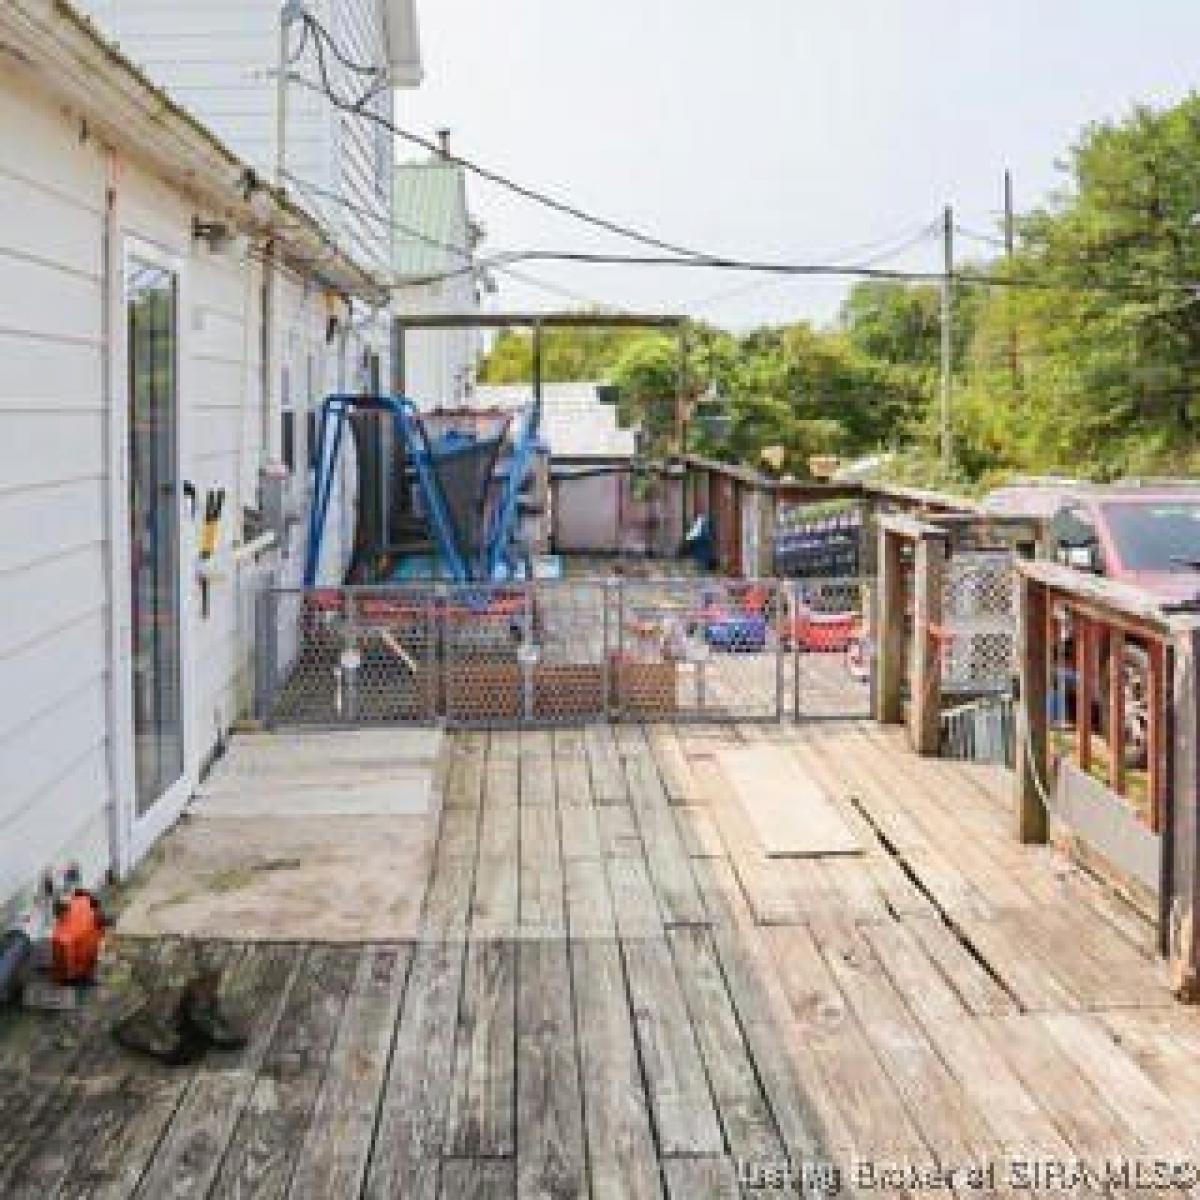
column 568, row 355
column 1089, row 362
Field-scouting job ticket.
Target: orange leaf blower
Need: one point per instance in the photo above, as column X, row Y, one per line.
column 76, row 938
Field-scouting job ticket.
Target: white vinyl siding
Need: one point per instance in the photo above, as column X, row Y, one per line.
column 54, row 792
column 219, row 59
column 58, row 722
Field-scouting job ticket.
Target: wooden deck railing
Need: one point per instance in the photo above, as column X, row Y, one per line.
column 1107, row 741
column 916, row 557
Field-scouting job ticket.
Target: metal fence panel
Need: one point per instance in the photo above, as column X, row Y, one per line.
column 699, row 649
column 347, row 656
column 828, row 628
column 484, row 632
column 537, row 653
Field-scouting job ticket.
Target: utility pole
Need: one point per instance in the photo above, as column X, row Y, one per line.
column 1009, row 238
column 947, row 343
column 1009, row 251
column 682, row 396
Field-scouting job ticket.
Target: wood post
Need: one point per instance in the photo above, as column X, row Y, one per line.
column 925, row 674
column 1085, row 688
column 1181, row 830
column 766, row 534
column 889, row 630
column 1156, row 693
column 1032, row 761
column 1116, row 711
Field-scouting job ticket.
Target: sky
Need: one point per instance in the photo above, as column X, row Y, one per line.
column 797, row 130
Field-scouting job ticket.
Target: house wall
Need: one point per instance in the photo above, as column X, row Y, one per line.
column 439, row 365
column 219, row 58
column 63, row 558
column 601, row 513
column 54, row 774
column 586, row 512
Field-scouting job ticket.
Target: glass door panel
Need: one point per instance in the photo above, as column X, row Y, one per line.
column 154, row 504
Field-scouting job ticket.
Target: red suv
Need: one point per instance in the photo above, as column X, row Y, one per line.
column 1144, row 534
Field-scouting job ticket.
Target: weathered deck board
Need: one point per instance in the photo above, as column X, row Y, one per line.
column 262, row 1150
column 411, row 1118
column 946, row 1120
column 712, row 1178
column 745, row 1114
column 541, row 874
column 871, row 1115
column 98, row 1096
column 604, row 764
column 477, row 1179
column 684, row 1119
column 482, row 1087
column 190, row 1154
column 333, row 1158
column 37, row 1049
column 620, row 1144
column 551, row 1160
column 615, row 991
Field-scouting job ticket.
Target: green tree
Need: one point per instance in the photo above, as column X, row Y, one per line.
column 568, row 355
column 1107, row 343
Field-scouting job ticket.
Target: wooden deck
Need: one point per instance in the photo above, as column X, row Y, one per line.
column 615, row 993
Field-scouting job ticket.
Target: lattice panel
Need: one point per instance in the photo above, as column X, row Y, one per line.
column 978, row 628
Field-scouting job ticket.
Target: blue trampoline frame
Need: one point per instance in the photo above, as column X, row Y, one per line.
column 410, row 431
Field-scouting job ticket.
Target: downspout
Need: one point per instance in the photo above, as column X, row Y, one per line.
column 119, row 835
column 267, row 352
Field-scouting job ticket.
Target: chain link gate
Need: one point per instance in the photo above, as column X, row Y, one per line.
column 829, row 631
column 537, row 653
column 699, row 650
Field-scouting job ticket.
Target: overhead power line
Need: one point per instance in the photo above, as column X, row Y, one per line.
column 323, row 38
column 395, row 225
column 503, row 262
column 674, row 255
column 878, row 250
column 986, row 239
column 848, row 270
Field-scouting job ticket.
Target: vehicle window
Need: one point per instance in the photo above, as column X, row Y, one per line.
column 1154, row 537
column 1076, row 542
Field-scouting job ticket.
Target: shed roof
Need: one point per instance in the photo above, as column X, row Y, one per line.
column 576, row 424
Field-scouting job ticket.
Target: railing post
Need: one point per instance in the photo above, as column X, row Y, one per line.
column 889, row 627
column 925, row 698
column 1116, row 711
column 1181, row 826
column 1031, row 760
column 775, row 613
column 793, row 619
column 1085, row 688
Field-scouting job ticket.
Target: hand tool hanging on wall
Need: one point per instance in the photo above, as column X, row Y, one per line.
column 214, row 502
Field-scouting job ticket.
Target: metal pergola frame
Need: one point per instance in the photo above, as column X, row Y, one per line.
column 538, row 321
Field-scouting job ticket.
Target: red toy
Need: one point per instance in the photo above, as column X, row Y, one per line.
column 824, row 632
